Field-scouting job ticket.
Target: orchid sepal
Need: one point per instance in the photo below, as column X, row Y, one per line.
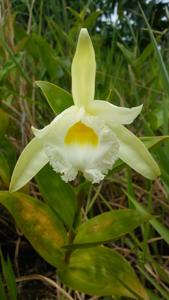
column 30, row 162
column 113, row 114
column 83, row 70
column 135, row 154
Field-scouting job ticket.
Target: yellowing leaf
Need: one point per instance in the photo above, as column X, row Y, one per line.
column 103, row 272
column 109, row 226
column 39, row 224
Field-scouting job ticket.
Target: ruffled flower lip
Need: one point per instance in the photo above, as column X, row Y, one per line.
column 88, row 146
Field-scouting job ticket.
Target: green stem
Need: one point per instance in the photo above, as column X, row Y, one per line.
column 72, row 231
column 146, row 228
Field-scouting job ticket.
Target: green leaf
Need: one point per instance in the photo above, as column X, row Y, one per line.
column 109, row 226
column 39, row 224
column 101, row 271
column 2, row 290
column 90, row 21
column 151, row 141
column 147, row 52
column 11, row 281
column 58, row 194
column 9, row 277
column 153, row 296
column 7, row 148
column 130, row 56
column 4, row 169
column 4, row 120
column 58, row 98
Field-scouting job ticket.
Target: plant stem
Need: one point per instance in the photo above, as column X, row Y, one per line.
column 72, row 231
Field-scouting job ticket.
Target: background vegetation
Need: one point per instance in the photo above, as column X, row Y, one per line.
column 37, row 42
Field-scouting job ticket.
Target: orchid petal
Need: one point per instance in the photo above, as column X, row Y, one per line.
column 83, row 70
column 113, row 114
column 55, row 128
column 134, row 153
column 31, row 161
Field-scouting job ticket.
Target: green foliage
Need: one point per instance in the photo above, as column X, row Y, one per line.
column 59, row 195
column 4, row 120
column 109, row 226
column 163, row 71
column 158, row 226
column 57, row 97
column 101, row 271
column 39, row 224
column 4, row 169
column 152, row 141
column 8, row 288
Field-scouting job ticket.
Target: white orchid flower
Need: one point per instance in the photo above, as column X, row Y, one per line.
column 88, row 136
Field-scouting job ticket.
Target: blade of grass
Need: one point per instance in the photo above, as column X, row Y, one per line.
column 147, row 227
column 163, row 70
column 13, row 58
column 157, row 225
column 2, row 290
column 9, row 277
column 154, row 283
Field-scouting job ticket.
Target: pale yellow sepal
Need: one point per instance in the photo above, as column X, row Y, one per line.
column 83, row 70
column 134, row 153
column 113, row 114
column 30, row 162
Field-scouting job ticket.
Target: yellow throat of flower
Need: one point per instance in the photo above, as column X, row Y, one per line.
column 82, row 135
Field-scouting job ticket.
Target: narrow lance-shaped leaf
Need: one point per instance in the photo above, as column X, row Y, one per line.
column 39, row 224
column 4, row 120
column 109, row 226
column 102, row 272
column 9, row 277
column 2, row 290
column 152, row 141
column 4, row 169
column 58, row 98
column 153, row 296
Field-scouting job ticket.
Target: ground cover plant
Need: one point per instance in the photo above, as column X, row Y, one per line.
column 90, row 238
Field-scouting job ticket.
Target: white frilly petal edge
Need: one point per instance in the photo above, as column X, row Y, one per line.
column 30, row 162
column 134, row 153
column 113, row 114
